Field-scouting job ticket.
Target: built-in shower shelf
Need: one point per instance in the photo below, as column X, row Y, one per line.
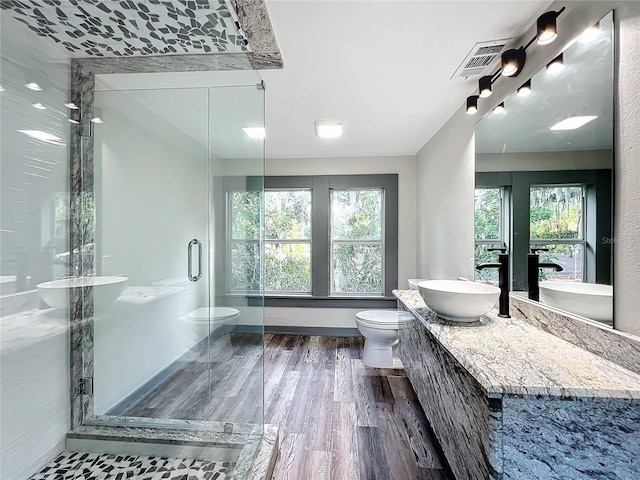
column 254, row 454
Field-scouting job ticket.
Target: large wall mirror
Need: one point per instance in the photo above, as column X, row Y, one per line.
column 544, row 179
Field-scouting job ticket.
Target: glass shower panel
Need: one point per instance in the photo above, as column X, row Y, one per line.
column 236, row 122
column 151, row 255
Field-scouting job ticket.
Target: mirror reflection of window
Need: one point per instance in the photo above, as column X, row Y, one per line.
column 556, row 217
column 488, row 230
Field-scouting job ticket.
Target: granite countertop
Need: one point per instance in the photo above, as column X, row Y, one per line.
column 508, row 356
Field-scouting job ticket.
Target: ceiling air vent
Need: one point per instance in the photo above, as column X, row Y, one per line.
column 481, row 56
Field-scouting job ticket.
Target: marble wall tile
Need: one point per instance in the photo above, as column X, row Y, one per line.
column 617, row 347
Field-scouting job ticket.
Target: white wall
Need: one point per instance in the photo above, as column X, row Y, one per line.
column 405, row 167
column 544, row 161
column 445, row 165
column 34, row 348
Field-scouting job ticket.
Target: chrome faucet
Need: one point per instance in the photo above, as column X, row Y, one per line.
column 503, row 278
column 533, row 271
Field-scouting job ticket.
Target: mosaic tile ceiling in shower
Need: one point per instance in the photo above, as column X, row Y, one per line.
column 113, row 28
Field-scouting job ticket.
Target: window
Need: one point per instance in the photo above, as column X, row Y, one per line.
column 488, row 222
column 557, row 222
column 357, row 243
column 326, row 238
column 287, row 244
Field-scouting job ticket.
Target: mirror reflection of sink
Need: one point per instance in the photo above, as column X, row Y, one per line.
column 590, row 300
column 457, row 300
column 106, row 289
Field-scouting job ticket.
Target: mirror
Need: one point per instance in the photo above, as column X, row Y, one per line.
column 544, row 172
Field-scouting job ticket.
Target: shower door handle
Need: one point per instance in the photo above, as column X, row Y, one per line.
column 192, row 277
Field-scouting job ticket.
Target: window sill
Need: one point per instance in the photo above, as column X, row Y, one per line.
column 306, row 301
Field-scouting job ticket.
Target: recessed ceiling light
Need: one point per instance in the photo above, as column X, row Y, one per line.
column 71, row 120
column 71, row 105
column 1, row 88
column 39, row 106
column 329, row 130
column 96, row 120
column 33, row 86
column 572, row 123
column 255, row 132
column 43, row 136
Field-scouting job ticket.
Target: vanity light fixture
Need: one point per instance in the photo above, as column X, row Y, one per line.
column 485, row 86
column 472, row 104
column 547, row 27
column 572, row 123
column 33, row 86
column 39, row 106
column 556, row 64
column 256, row 133
column 329, row 130
column 525, row 88
column 513, row 61
column 499, row 108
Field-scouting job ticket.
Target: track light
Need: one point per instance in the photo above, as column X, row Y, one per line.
column 556, row 64
column 525, row 89
column 472, row 104
column 485, row 86
column 499, row 108
column 513, row 61
column 547, row 27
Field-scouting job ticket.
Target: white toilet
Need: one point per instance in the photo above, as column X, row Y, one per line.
column 205, row 321
column 380, row 331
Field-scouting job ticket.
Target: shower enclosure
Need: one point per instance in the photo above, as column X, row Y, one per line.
column 167, row 329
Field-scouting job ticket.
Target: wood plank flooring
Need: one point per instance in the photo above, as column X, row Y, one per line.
column 339, row 420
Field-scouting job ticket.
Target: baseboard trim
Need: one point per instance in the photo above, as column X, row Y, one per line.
column 321, row 331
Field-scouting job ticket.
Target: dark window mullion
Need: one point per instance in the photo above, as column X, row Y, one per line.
column 320, row 235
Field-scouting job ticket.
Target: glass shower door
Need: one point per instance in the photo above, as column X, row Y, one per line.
column 151, row 256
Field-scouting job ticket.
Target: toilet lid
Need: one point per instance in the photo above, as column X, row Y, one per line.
column 383, row 318
column 213, row 313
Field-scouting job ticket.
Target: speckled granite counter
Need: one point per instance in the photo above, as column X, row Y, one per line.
column 510, row 401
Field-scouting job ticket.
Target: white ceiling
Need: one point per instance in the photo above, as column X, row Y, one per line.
column 381, row 67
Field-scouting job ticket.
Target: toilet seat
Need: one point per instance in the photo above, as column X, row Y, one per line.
column 383, row 319
column 215, row 314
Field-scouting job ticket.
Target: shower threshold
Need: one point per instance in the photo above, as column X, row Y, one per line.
column 251, row 449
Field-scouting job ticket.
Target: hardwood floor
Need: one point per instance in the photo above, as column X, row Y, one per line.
column 341, row 420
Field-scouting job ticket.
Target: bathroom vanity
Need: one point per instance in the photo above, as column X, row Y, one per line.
column 509, row 399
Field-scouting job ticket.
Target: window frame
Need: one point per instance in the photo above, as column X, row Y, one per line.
column 320, row 186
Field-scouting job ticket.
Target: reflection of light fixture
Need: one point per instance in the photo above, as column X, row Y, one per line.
column 43, row 136
column 39, row 106
column 485, row 86
column 97, row 115
column 33, row 86
column 1, row 88
column 329, row 130
column 472, row 104
column 556, row 64
column 71, row 120
column 255, row 132
column 547, row 28
column 513, row 61
column 499, row 108
column 525, row 89
column 572, row 123
column 71, row 105
column 590, row 32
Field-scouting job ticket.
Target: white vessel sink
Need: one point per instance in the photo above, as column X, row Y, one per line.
column 590, row 300
column 457, row 300
column 105, row 289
